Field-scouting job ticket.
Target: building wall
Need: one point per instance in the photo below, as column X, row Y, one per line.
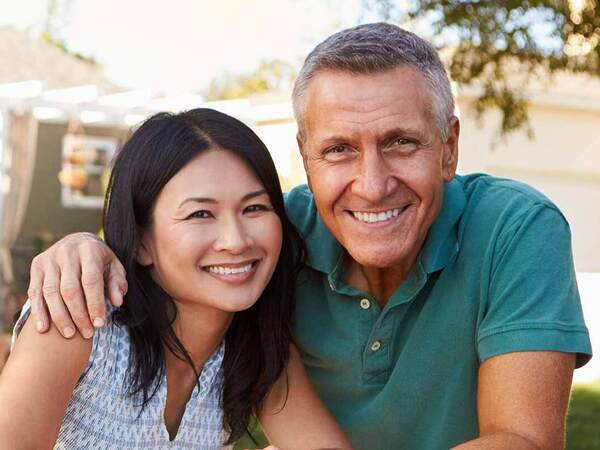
column 562, row 160
column 280, row 139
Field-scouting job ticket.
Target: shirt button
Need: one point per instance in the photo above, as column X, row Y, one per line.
column 331, row 286
column 376, row 346
column 365, row 303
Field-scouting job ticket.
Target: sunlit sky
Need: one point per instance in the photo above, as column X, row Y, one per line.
column 181, row 44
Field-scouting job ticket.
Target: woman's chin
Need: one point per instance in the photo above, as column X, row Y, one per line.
column 237, row 305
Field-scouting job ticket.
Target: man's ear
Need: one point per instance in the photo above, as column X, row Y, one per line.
column 450, row 150
column 303, row 149
column 143, row 255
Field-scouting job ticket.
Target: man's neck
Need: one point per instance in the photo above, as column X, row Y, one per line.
column 380, row 283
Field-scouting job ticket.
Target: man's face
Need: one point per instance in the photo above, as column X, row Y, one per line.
column 376, row 162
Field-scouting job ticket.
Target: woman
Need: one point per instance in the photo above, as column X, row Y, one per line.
column 195, row 213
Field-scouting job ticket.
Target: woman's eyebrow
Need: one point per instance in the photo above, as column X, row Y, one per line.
column 253, row 194
column 213, row 201
column 197, row 200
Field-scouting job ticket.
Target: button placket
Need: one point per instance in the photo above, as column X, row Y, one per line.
column 376, row 352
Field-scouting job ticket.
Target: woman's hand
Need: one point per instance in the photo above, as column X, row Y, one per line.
column 68, row 281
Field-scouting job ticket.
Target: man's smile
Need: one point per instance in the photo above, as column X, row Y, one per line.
column 371, row 217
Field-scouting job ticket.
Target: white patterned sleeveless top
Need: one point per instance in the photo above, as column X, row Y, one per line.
column 103, row 415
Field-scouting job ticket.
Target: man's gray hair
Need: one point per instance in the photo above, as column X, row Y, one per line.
column 374, row 48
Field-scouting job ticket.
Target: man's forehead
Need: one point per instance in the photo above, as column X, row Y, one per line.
column 342, row 103
column 344, row 78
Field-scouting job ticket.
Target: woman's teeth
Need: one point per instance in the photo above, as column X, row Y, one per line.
column 229, row 270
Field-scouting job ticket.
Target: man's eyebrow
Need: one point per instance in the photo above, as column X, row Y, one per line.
column 392, row 132
column 333, row 139
column 400, row 131
column 212, row 201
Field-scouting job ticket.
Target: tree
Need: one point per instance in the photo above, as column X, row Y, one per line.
column 55, row 21
column 269, row 75
column 502, row 46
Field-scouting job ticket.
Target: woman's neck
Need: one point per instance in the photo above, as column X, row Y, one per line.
column 200, row 330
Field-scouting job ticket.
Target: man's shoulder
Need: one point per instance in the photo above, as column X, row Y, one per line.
column 498, row 210
column 300, row 208
column 492, row 197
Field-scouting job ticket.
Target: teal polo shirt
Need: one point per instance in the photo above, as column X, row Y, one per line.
column 495, row 276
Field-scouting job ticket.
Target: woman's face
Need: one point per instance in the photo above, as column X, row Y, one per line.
column 215, row 237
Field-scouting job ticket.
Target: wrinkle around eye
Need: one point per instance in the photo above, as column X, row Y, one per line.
column 338, row 152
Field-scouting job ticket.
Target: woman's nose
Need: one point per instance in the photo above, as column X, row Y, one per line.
column 232, row 237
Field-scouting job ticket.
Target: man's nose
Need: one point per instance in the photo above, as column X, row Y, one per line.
column 374, row 180
column 232, row 236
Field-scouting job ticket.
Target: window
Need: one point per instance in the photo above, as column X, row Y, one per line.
column 85, row 167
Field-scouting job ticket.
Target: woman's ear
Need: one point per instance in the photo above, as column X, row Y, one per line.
column 143, row 255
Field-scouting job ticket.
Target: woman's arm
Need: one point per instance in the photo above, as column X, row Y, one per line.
column 304, row 422
column 36, row 385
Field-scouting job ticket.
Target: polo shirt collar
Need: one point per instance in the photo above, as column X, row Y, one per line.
column 442, row 239
column 325, row 253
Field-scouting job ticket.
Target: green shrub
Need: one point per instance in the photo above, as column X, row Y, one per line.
column 583, row 420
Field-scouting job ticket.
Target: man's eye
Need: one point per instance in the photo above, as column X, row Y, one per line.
column 201, row 214
column 403, row 144
column 338, row 149
column 256, row 208
column 338, row 152
column 403, row 141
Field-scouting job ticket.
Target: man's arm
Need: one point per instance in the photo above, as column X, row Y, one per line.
column 531, row 332
column 522, row 401
column 67, row 281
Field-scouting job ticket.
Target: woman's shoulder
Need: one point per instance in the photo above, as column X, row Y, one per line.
column 24, row 334
column 106, row 350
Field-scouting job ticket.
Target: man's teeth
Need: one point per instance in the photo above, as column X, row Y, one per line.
column 229, row 270
column 376, row 217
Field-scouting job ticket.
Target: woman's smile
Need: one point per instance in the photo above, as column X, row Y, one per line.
column 233, row 273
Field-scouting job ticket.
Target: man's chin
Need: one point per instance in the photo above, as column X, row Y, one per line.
column 377, row 258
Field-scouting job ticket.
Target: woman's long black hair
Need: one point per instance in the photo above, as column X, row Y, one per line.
column 257, row 341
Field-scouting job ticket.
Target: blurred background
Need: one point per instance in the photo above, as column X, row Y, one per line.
column 76, row 75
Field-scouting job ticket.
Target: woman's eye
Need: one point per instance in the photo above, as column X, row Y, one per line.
column 202, row 214
column 257, row 208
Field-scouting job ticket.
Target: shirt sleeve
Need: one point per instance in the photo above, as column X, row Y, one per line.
column 533, row 303
column 25, row 313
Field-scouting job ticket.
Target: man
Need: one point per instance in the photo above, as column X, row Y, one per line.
column 435, row 310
